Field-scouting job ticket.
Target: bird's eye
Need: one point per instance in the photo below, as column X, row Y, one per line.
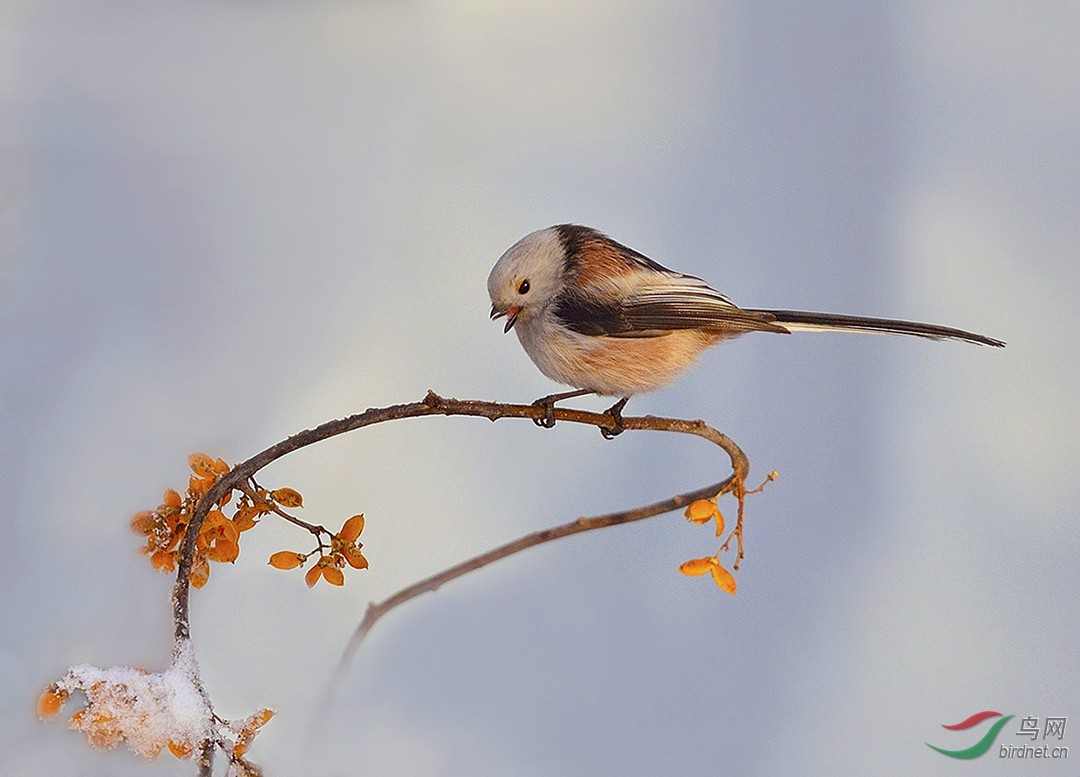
column 523, row 286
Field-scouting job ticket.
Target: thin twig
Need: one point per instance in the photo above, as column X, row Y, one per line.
column 205, row 757
column 249, row 492
column 376, row 610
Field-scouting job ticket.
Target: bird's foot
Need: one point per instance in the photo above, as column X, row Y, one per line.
column 615, row 411
column 547, row 421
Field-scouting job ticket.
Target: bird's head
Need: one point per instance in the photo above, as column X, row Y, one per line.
column 527, row 278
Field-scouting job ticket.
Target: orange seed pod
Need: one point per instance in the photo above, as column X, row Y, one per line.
column 724, row 579
column 50, row 702
column 352, row 528
column 700, row 510
column 287, row 559
column 697, row 566
column 287, row 497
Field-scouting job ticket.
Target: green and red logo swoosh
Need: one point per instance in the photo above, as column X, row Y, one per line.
column 983, row 744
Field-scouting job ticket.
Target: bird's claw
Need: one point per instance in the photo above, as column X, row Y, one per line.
column 613, row 432
column 548, row 403
column 617, row 428
column 548, row 419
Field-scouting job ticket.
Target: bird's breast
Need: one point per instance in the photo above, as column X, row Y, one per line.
column 612, row 366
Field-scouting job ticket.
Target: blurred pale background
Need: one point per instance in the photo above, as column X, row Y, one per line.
column 224, row 222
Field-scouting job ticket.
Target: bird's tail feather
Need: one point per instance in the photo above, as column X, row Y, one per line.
column 799, row 319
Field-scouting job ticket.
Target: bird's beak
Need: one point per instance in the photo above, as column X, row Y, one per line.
column 511, row 314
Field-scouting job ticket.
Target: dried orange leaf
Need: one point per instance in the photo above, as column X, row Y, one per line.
column 313, row 575
column 172, row 498
column 201, row 464
column 352, row 528
column 104, row 737
column 250, row 728
column 213, row 518
column 333, row 576
column 700, row 510
column 181, row 750
column 287, row 559
column 723, row 578
column 287, row 497
column 228, row 530
column 255, row 721
column 719, row 523
column 199, row 486
column 143, row 523
column 697, row 566
column 163, row 560
column 223, row 551
column 245, row 518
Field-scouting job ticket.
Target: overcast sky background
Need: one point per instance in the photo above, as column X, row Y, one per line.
column 221, row 223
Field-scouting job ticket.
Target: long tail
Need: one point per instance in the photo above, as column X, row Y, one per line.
column 823, row 322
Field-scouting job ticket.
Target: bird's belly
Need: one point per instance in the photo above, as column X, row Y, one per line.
column 612, row 366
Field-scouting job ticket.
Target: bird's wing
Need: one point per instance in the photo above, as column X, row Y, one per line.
column 688, row 305
column 683, row 302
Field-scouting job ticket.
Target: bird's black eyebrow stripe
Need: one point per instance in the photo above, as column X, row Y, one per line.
column 589, row 316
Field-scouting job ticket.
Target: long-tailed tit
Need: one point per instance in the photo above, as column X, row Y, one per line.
column 605, row 319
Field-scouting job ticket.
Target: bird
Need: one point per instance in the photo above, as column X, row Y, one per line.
column 605, row 319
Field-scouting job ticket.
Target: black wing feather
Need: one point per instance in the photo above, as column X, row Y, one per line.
column 658, row 312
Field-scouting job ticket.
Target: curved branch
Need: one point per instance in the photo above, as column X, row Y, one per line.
column 431, row 404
